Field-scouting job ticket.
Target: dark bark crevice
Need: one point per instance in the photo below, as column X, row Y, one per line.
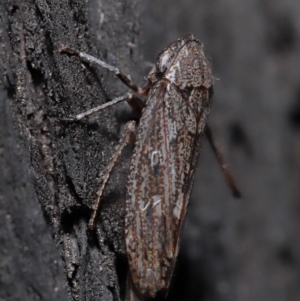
column 50, row 170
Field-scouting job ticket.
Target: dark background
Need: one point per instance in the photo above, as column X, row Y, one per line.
column 245, row 249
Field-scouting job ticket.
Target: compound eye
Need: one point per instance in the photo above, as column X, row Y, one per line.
column 163, row 61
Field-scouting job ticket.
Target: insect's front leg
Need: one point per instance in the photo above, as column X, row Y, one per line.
column 128, row 136
column 142, row 91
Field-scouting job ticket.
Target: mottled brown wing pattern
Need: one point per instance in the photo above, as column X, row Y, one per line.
column 160, row 182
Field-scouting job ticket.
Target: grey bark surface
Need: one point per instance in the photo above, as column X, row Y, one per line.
column 248, row 249
column 50, row 170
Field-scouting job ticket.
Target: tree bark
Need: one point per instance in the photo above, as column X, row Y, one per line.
column 50, row 170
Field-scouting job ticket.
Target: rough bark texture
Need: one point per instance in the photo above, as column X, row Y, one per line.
column 50, row 170
column 248, row 249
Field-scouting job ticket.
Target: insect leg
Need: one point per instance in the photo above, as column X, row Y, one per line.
column 128, row 136
column 143, row 91
column 136, row 104
column 222, row 162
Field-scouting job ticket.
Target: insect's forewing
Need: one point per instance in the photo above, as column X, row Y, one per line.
column 160, row 180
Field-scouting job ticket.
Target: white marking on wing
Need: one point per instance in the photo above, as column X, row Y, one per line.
column 156, row 199
column 177, row 208
column 156, row 202
column 155, row 157
column 144, row 208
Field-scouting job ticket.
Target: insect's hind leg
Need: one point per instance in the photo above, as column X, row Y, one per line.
column 128, row 136
column 222, row 162
column 142, row 91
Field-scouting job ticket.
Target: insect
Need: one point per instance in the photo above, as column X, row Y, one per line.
column 167, row 145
